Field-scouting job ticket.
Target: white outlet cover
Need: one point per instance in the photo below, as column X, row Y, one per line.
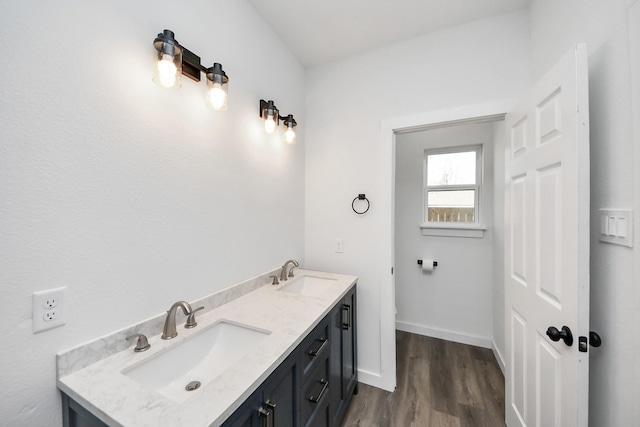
column 48, row 309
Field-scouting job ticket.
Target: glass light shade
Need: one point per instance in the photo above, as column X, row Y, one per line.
column 217, row 97
column 290, row 136
column 168, row 61
column 217, row 88
column 270, row 125
column 290, row 132
column 167, row 72
column 270, row 116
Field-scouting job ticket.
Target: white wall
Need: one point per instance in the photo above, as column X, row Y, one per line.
column 454, row 301
column 345, row 103
column 634, row 49
column 130, row 195
column 556, row 27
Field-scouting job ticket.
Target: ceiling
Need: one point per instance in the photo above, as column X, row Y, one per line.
column 323, row 31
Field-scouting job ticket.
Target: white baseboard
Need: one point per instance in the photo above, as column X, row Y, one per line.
column 484, row 342
column 498, row 356
column 375, row 380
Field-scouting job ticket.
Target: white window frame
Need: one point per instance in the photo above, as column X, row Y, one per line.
column 454, row 229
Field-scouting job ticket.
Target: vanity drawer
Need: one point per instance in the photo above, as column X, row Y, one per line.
column 314, row 401
column 315, row 348
column 321, row 417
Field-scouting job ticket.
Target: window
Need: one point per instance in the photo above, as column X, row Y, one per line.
column 452, row 186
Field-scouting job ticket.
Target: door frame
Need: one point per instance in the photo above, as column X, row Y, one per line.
column 388, row 129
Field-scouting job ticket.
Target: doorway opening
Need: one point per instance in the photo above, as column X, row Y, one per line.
column 392, row 129
column 444, row 212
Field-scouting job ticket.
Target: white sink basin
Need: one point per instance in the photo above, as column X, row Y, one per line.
column 201, row 357
column 308, row 285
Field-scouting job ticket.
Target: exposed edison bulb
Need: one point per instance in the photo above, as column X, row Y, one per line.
column 217, row 96
column 290, row 136
column 269, row 125
column 167, row 71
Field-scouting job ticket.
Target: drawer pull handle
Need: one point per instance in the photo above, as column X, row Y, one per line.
column 264, row 416
column 346, row 325
column 324, row 342
column 325, row 384
column 271, row 405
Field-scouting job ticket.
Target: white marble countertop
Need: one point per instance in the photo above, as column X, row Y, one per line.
column 120, row 401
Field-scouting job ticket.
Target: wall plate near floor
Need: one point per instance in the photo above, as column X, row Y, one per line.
column 48, row 309
column 616, row 226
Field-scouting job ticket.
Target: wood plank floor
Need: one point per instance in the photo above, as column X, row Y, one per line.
column 439, row 384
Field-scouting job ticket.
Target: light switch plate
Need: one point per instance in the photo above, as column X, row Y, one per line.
column 616, row 226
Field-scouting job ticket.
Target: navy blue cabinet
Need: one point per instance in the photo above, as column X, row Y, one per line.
column 326, row 363
column 75, row 415
column 344, row 358
column 273, row 404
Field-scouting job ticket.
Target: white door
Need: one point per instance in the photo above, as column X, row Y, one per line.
column 547, row 249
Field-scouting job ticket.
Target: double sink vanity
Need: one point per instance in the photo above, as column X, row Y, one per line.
column 264, row 352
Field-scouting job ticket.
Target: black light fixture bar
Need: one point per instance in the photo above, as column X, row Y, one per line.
column 174, row 60
column 191, row 66
column 270, row 114
column 287, row 119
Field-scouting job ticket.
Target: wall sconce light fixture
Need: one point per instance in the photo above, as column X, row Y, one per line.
column 172, row 60
column 271, row 116
column 290, row 133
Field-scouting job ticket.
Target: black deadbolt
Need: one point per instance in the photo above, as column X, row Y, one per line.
column 594, row 339
column 556, row 335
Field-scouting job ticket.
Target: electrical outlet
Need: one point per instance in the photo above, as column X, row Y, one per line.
column 50, row 316
column 50, row 302
column 339, row 246
column 48, row 309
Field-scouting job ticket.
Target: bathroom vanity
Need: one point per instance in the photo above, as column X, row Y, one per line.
column 282, row 355
column 314, row 385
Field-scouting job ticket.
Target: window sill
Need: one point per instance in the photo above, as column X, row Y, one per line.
column 451, row 230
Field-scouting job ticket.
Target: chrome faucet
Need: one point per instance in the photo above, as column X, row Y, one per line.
column 283, row 273
column 169, row 330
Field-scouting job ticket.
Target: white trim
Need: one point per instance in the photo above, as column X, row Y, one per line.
column 484, row 342
column 374, row 379
column 466, row 113
column 498, row 356
column 476, row 231
column 387, row 283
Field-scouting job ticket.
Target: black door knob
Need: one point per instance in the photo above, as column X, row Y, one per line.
column 564, row 335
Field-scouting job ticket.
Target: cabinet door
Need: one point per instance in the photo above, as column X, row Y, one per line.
column 349, row 344
column 337, row 396
column 250, row 414
column 74, row 415
column 344, row 358
column 280, row 395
